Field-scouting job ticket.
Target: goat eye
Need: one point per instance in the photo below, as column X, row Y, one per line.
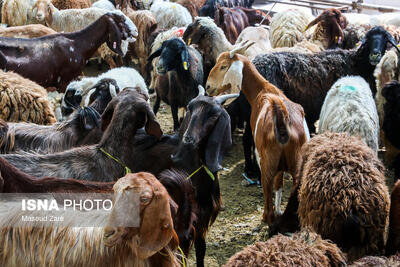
column 223, row 67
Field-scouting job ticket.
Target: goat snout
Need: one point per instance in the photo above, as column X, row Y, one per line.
column 40, row 16
column 374, row 58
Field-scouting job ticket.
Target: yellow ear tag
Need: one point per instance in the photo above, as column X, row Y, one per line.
column 336, row 39
column 189, row 41
column 306, row 28
column 173, row 6
column 185, row 65
column 398, row 46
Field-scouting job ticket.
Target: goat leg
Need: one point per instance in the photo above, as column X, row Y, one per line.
column 267, row 184
column 174, row 111
column 278, row 184
column 200, row 246
column 156, row 106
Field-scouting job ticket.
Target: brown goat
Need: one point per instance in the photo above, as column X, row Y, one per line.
column 193, row 6
column 146, row 24
column 333, row 23
column 149, row 244
column 62, row 56
column 68, row 4
column 393, row 242
column 278, row 125
column 231, row 21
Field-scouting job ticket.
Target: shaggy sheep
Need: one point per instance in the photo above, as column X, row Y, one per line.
column 343, row 195
column 293, row 72
column 393, row 242
column 23, row 100
column 69, row 4
column 374, row 261
column 303, row 248
column 387, row 70
column 287, row 27
column 26, row 31
column 151, row 243
column 170, row 15
column 18, row 12
column 124, row 77
column 349, row 107
column 391, row 122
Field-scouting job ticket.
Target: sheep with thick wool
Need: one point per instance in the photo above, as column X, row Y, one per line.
column 170, row 15
column 304, row 248
column 18, row 12
column 69, row 4
column 23, row 100
column 343, row 195
column 349, row 107
column 287, row 27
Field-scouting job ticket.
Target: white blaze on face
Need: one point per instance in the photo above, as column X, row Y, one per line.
column 87, row 99
column 306, row 131
column 234, row 76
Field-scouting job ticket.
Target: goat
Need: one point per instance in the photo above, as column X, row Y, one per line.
column 292, row 72
column 280, row 133
column 231, row 21
column 26, row 31
column 180, row 70
column 150, row 243
column 210, row 6
column 105, row 161
column 63, row 56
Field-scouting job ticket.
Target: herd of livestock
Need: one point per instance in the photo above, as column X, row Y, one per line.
column 318, row 99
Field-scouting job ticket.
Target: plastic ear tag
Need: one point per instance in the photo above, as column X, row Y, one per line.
column 185, row 65
column 190, row 41
column 114, row 45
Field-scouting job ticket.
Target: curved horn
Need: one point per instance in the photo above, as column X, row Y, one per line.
column 241, row 49
column 201, row 90
column 222, row 98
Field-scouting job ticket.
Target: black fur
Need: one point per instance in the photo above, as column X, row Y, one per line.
column 391, row 119
column 306, row 78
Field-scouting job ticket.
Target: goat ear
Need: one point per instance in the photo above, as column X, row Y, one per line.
column 185, row 59
column 218, row 142
column 89, row 118
column 234, row 76
column 156, row 229
column 392, row 41
column 312, row 23
column 48, row 17
column 152, row 127
column 114, row 36
column 156, row 53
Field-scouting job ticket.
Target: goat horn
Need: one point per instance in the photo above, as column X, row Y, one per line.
column 241, row 49
column 201, row 90
column 222, row 98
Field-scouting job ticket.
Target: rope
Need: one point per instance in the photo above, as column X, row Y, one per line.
column 206, row 169
column 127, row 170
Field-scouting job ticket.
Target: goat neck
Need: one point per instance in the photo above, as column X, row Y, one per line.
column 90, row 38
column 253, row 83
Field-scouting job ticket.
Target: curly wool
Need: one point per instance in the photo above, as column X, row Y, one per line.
column 170, row 15
column 18, row 12
column 349, row 107
column 373, row 261
column 343, row 195
column 23, row 100
column 303, row 248
column 287, row 28
column 69, row 4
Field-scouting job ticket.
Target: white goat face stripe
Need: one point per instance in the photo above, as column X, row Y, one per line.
column 234, row 76
column 87, row 98
column 113, row 90
column 124, row 46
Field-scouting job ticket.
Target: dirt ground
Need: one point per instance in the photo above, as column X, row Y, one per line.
column 239, row 224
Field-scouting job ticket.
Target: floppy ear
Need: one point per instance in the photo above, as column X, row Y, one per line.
column 89, row 118
column 114, row 89
column 234, row 76
column 185, row 59
column 156, row 228
column 108, row 114
column 114, row 37
column 156, row 53
column 218, row 142
column 152, row 127
column 48, row 16
column 312, row 23
column 391, row 40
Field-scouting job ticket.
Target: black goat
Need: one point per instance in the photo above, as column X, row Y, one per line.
column 306, row 78
column 179, row 73
column 106, row 161
column 83, row 127
column 197, row 145
column 210, row 6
